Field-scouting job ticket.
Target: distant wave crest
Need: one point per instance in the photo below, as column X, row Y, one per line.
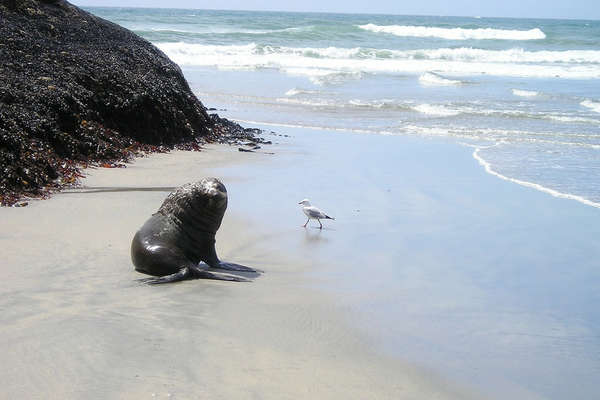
column 524, row 93
column 433, row 79
column 436, row 110
column 592, row 105
column 456, row 33
column 297, row 91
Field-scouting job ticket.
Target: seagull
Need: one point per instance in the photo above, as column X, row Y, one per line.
column 313, row 213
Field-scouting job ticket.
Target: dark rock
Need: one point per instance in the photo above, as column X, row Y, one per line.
column 75, row 88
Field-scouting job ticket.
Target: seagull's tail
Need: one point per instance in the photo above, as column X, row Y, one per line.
column 328, row 217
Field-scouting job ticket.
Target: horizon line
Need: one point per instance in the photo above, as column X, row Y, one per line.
column 343, row 13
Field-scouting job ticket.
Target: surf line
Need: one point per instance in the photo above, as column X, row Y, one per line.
column 488, row 168
column 320, row 128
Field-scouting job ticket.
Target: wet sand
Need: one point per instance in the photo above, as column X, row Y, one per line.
column 435, row 281
column 75, row 323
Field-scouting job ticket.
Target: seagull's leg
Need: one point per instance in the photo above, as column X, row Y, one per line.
column 308, row 219
column 320, row 224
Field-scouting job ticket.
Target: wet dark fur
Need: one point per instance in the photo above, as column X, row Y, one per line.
column 178, row 241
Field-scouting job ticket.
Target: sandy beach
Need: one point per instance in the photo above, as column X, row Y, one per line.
column 77, row 324
column 432, row 282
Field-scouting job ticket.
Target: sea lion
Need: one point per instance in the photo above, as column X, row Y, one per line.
column 178, row 241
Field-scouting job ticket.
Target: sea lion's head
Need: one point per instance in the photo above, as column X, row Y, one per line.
column 197, row 206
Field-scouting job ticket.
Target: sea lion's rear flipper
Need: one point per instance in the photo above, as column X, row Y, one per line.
column 191, row 273
column 234, row 267
column 213, row 262
column 200, row 273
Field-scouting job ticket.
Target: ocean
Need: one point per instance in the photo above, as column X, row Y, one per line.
column 523, row 93
column 437, row 143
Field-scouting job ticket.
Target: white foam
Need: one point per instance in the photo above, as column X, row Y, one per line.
column 315, row 72
column 334, row 77
column 501, row 135
column 512, row 55
column 309, row 103
column 297, row 91
column 447, row 110
column 293, row 92
column 322, row 76
column 377, row 104
column 592, row 105
column 456, row 33
column 432, row 79
column 354, row 103
column 435, row 110
column 488, row 168
column 524, row 93
column 564, row 118
column 322, row 63
column 326, row 128
column 560, row 117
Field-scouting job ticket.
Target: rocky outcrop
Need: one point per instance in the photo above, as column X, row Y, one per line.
column 77, row 88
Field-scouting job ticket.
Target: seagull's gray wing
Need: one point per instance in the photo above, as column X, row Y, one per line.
column 314, row 212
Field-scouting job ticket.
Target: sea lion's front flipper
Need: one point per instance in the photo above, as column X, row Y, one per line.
column 181, row 275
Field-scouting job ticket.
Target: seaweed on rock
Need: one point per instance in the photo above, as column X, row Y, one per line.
column 76, row 89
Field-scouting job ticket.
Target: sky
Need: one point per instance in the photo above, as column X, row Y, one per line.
column 577, row 9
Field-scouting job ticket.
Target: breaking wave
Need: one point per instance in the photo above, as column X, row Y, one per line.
column 456, row 33
column 319, row 62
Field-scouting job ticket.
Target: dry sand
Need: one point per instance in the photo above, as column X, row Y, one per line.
column 75, row 323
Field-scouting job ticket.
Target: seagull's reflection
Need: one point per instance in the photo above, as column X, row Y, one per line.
column 314, row 235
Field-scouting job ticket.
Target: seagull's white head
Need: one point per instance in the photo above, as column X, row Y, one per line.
column 305, row 203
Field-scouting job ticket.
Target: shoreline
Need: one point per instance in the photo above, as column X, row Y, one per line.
column 480, row 160
column 555, row 193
